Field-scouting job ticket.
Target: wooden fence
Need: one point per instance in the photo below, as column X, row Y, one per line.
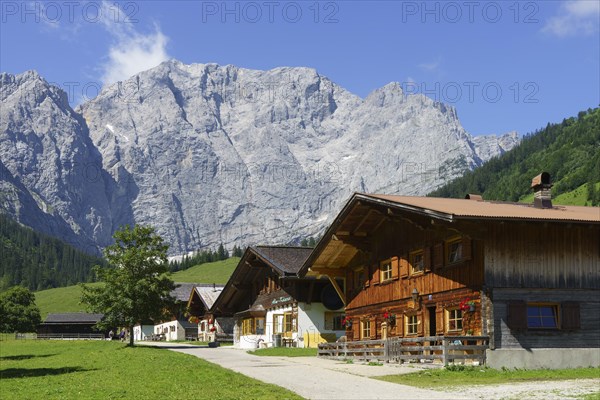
column 60, row 336
column 445, row 349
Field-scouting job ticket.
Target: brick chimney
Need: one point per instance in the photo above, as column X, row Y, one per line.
column 542, row 191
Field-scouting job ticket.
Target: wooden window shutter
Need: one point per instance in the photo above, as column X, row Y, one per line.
column 440, row 326
column 375, row 274
column 571, row 315
column 517, row 315
column 395, row 268
column 467, row 249
column 356, row 329
column 427, row 258
column 420, row 324
column 438, row 256
column 373, row 328
column 399, row 324
column 404, row 267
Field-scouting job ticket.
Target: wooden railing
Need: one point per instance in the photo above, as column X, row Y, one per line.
column 364, row 350
column 65, row 336
column 446, row 349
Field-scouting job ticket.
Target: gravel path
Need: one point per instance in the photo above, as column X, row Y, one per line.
column 320, row 379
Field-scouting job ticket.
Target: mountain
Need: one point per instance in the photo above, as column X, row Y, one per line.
column 53, row 179
column 210, row 154
column 569, row 151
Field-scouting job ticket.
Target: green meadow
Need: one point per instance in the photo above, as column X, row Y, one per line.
column 35, row 369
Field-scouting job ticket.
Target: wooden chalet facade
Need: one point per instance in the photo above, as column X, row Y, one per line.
column 526, row 277
column 272, row 306
column 199, row 304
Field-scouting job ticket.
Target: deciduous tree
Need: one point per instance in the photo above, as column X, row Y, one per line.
column 135, row 287
column 18, row 311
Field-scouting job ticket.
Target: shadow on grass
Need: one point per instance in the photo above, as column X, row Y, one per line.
column 177, row 347
column 34, row 372
column 24, row 357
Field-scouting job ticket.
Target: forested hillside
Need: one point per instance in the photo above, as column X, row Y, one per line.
column 37, row 261
column 569, row 151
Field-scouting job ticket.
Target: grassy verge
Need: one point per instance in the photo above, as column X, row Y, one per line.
column 284, row 352
column 469, row 376
column 31, row 369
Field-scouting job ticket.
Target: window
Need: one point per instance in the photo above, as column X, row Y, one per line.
column 359, row 278
column 288, row 322
column 253, row 326
column 417, row 262
column 454, row 318
column 412, row 323
column 365, row 332
column 248, row 326
column 333, row 321
column 454, row 250
column 278, row 323
column 542, row 316
column 385, row 269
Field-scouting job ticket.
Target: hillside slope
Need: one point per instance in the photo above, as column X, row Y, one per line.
column 66, row 299
column 38, row 261
column 569, row 151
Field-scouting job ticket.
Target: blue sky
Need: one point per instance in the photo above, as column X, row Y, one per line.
column 504, row 65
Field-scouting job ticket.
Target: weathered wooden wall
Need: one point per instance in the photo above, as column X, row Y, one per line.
column 520, row 255
column 587, row 336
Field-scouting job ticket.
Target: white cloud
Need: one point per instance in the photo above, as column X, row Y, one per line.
column 131, row 51
column 578, row 17
column 430, row 66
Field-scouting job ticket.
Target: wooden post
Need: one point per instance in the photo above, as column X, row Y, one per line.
column 445, row 351
column 386, row 348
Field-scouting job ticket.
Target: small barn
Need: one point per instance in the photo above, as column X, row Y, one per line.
column 425, row 274
column 70, row 325
column 272, row 306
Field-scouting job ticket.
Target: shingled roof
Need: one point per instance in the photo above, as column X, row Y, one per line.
column 183, row 290
column 286, row 259
column 73, row 318
column 208, row 294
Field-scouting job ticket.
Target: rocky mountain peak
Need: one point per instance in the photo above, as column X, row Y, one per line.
column 211, row 154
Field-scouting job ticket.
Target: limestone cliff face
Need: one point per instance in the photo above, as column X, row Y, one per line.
column 211, row 154
column 53, row 178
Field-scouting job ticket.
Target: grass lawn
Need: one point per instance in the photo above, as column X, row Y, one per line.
column 31, row 369
column 436, row 378
column 591, row 396
column 64, row 299
column 215, row 272
column 284, row 352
